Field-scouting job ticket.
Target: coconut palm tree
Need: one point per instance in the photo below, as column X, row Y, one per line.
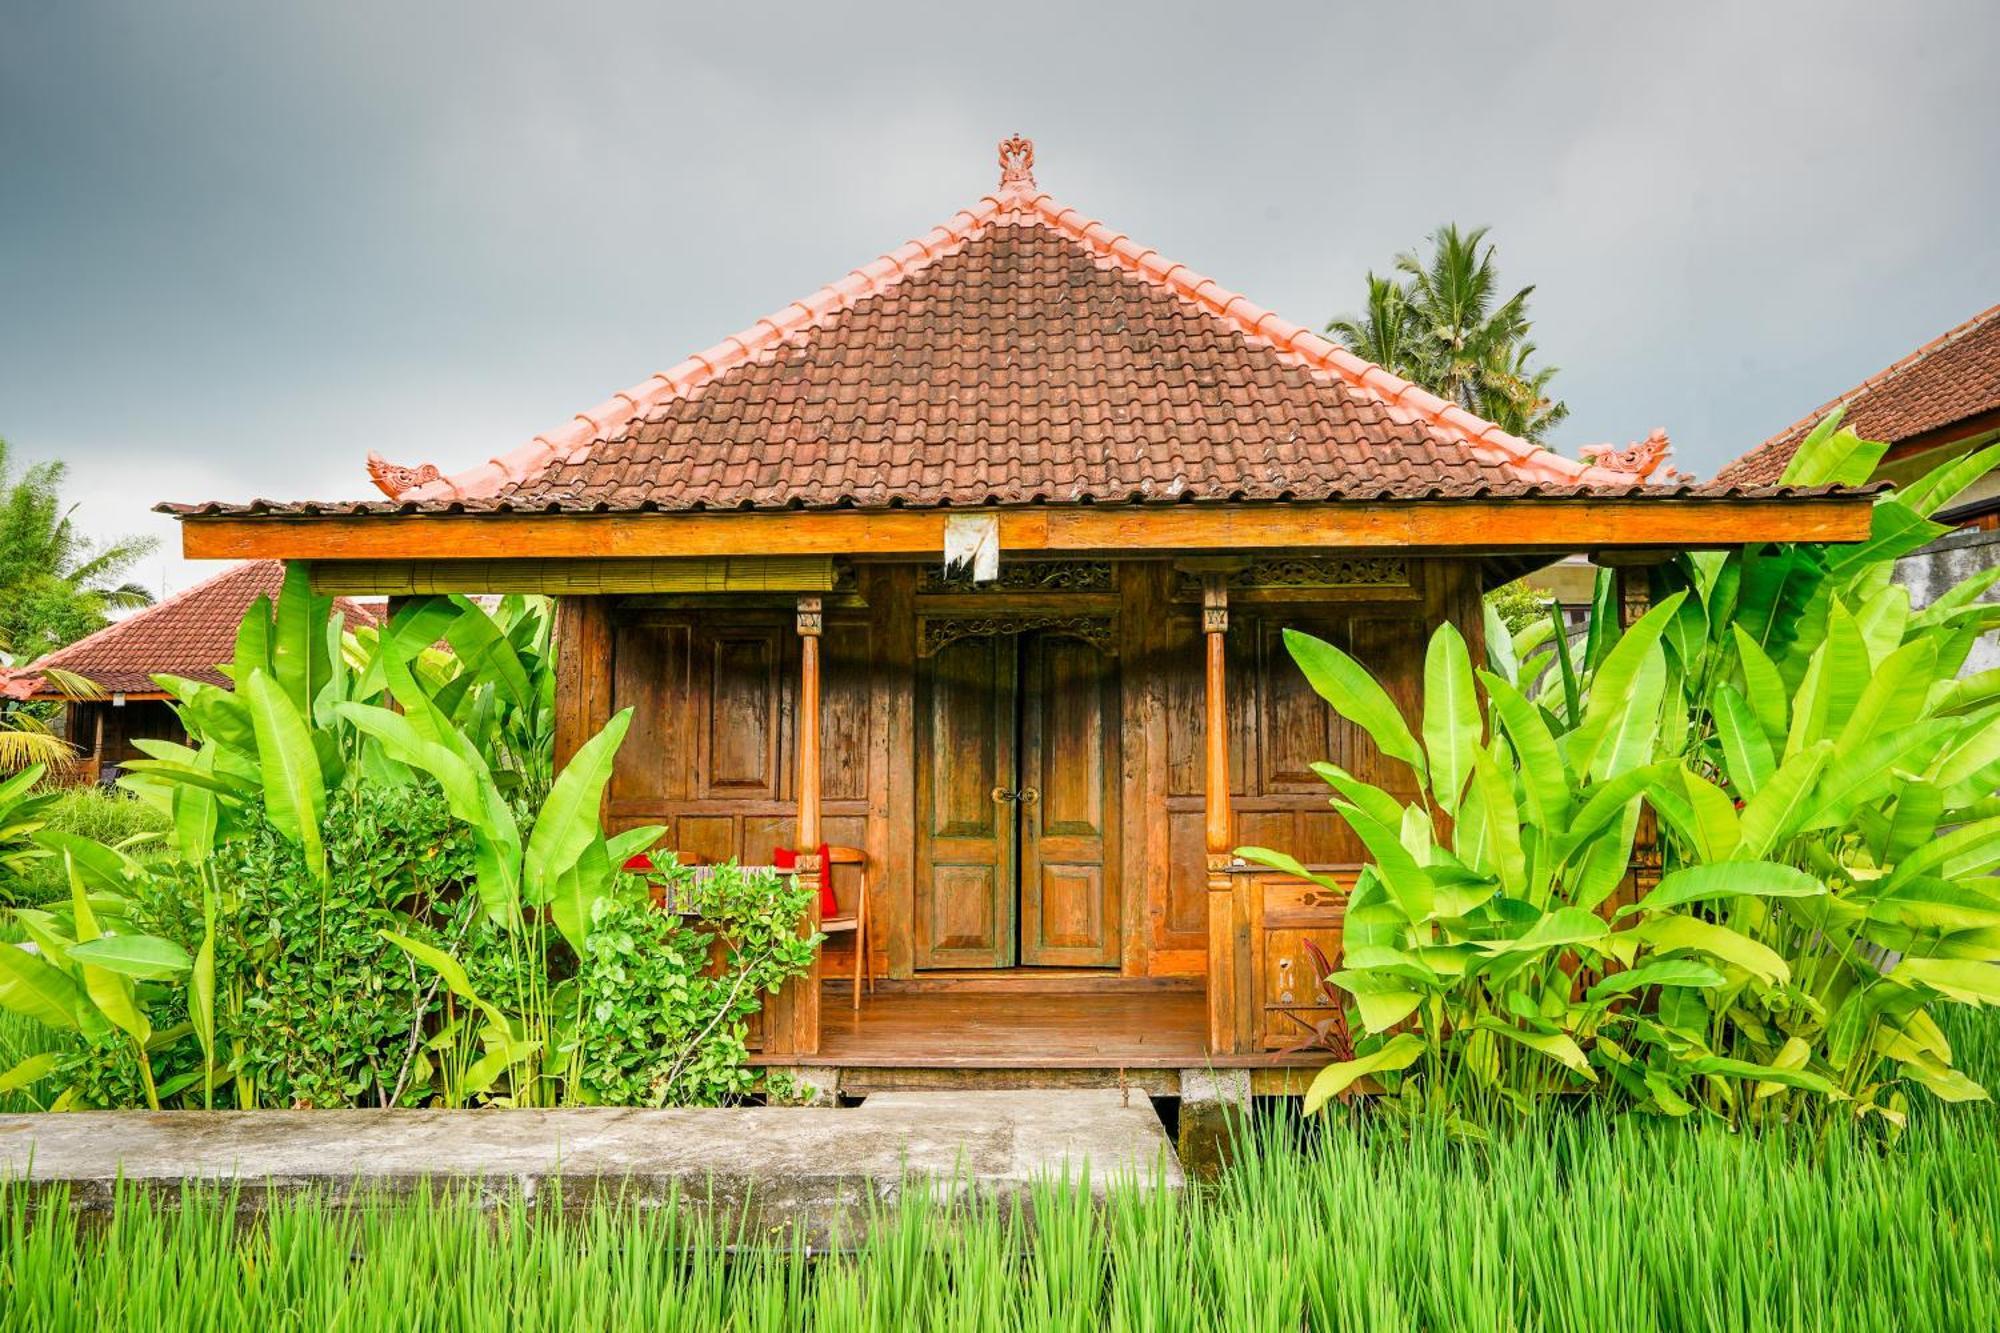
column 1445, row 325
column 56, row 585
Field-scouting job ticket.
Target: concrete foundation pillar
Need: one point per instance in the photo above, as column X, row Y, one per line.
column 1215, row 1104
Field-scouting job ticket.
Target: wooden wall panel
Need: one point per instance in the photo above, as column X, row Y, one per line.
column 650, row 666
column 744, row 717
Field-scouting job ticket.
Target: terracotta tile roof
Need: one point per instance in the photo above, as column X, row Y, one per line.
column 1020, row 353
column 1948, row 380
column 185, row 635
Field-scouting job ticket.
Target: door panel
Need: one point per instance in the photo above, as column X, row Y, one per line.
column 965, row 838
column 1068, row 804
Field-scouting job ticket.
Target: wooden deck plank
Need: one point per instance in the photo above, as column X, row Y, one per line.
column 1014, row 1028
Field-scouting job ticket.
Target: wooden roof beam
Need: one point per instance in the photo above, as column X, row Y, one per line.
column 1523, row 525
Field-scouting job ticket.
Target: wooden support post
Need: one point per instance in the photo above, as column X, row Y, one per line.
column 810, row 622
column 1228, row 932
column 804, row 1004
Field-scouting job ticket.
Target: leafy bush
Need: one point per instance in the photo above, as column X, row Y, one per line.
column 1823, row 785
column 660, row 1025
column 370, row 905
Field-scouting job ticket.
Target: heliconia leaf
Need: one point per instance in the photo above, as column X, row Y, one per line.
column 1354, row 694
column 1379, row 805
column 1726, row 880
column 1286, row 864
column 1791, row 1078
column 1746, row 749
column 449, row 969
column 577, row 890
column 1566, row 669
column 298, row 645
column 1558, row 929
column 294, row 790
column 144, row 957
column 568, row 822
column 1895, row 530
column 1632, row 676
column 1545, row 781
column 1406, row 881
column 1919, row 806
column 1763, row 687
column 1963, row 980
column 1717, row 829
column 35, row 989
column 1943, row 484
column 1558, row 1046
column 1774, row 815
column 1503, row 823
column 1451, row 715
column 29, row 1071
column 1658, row 972
column 1669, row 934
column 1971, row 752
column 253, row 640
column 1398, row 1053
column 1939, row 905
column 1970, row 849
column 622, row 847
column 1818, row 457
column 1867, row 771
column 484, row 653
column 1893, row 696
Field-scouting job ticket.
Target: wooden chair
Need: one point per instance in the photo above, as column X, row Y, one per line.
column 854, row 919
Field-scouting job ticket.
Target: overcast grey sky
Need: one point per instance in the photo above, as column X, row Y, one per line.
column 243, row 244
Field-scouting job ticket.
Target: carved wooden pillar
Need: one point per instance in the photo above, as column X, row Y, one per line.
column 810, row 623
column 796, row 1008
column 1215, row 734
column 1228, row 927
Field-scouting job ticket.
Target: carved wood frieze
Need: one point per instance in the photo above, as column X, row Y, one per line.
column 1309, row 572
column 936, row 632
column 1027, row 576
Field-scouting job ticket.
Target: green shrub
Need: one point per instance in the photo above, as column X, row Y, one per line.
column 360, row 904
column 660, row 1026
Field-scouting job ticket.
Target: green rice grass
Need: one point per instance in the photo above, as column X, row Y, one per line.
column 1563, row 1223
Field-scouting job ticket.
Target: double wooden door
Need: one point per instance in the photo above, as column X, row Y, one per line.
column 1017, row 825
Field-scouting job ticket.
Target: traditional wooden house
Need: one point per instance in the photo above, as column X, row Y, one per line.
column 187, row 634
column 1045, row 753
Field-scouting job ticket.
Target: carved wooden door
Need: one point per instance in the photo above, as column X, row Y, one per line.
column 1017, row 805
column 966, row 828
column 1068, row 800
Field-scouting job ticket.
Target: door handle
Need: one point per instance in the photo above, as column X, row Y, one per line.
column 1027, row 796
column 1003, row 796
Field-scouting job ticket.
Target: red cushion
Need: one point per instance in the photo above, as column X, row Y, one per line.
column 828, row 904
column 641, row 864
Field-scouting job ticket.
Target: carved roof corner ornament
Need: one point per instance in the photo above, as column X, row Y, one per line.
column 1639, row 459
column 1017, row 163
column 392, row 479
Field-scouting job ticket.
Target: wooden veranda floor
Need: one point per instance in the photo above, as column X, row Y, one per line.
column 998, row 1026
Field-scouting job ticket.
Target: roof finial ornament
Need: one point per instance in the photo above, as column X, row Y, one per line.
column 1640, row 459
column 392, row 479
column 1017, row 163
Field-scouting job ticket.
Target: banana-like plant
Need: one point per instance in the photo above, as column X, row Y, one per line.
column 23, row 810
column 87, row 974
column 1823, row 786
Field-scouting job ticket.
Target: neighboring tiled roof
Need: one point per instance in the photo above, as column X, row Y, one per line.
column 188, row 634
column 1947, row 380
column 1021, row 353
